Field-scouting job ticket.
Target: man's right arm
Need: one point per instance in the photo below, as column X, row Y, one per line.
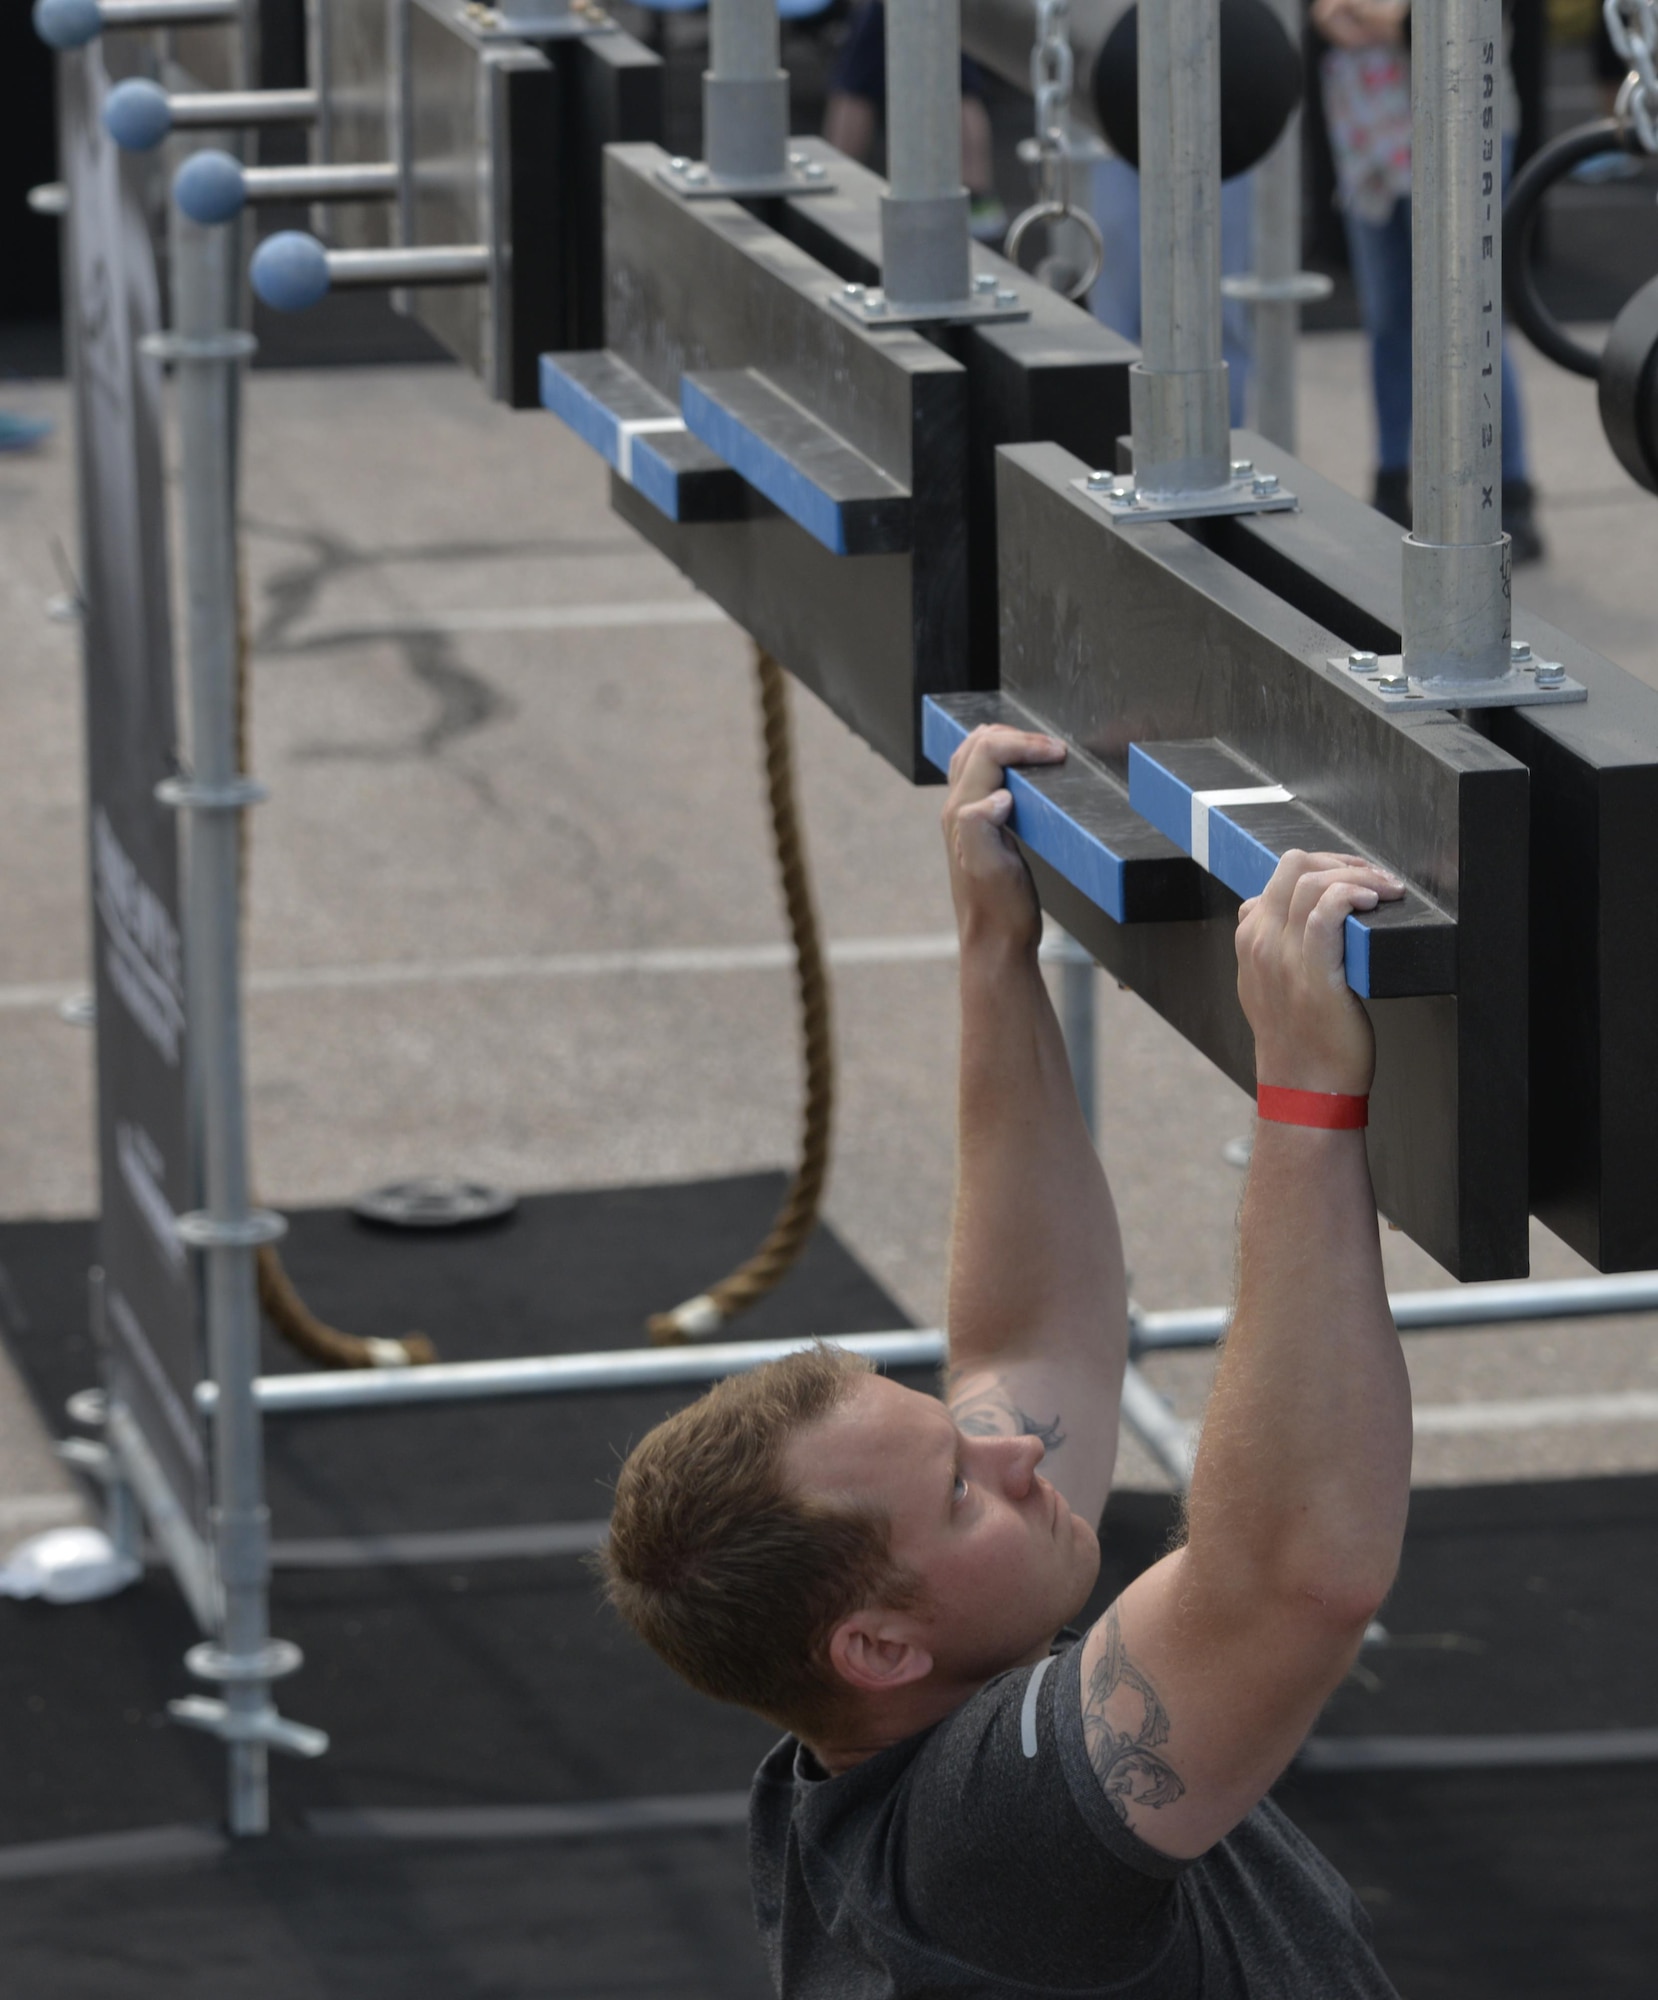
column 1200, row 1682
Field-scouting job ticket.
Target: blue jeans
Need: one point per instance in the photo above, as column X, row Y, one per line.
column 1380, row 256
column 1115, row 298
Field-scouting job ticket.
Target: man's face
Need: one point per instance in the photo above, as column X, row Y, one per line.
column 1003, row 1559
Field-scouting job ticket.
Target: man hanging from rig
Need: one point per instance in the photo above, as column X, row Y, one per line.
column 966, row 1804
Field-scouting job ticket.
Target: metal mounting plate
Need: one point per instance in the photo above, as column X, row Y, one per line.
column 1517, row 689
column 1242, row 496
column 870, row 306
column 696, row 181
column 493, row 25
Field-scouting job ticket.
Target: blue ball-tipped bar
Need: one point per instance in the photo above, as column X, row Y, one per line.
column 68, row 24
column 290, row 271
column 210, row 187
column 137, row 115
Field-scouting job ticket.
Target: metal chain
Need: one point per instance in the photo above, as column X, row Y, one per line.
column 1633, row 27
column 1052, row 73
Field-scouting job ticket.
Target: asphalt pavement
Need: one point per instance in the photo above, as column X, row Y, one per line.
column 512, row 905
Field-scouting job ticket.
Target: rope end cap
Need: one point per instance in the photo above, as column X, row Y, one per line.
column 696, row 1319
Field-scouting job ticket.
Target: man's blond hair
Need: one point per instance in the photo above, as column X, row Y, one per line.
column 736, row 1581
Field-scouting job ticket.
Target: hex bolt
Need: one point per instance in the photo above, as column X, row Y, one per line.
column 1550, row 674
column 1098, row 481
column 815, row 170
column 797, row 159
column 1362, row 662
column 696, row 171
column 1394, row 684
column 1006, row 296
column 984, row 281
column 1266, row 483
column 1519, row 651
column 678, row 164
column 1242, row 468
column 852, row 291
column 874, row 303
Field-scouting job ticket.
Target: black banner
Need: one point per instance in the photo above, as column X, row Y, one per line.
column 151, row 1319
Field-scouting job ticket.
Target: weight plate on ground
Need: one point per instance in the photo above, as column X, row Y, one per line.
column 434, row 1201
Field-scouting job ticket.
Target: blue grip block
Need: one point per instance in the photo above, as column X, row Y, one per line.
column 68, row 24
column 1237, row 858
column 766, row 470
column 289, row 271
column 209, row 187
column 573, row 403
column 1356, row 956
column 137, row 115
column 1157, row 795
column 1083, row 859
column 655, row 478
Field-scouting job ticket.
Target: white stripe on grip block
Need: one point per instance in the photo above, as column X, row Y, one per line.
column 1243, row 795
column 628, row 428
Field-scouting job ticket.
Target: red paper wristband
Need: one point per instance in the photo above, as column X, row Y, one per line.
column 1330, row 1110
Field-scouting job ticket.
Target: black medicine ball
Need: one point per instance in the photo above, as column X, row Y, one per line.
column 1260, row 84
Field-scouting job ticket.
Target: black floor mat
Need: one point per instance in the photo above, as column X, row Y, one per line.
column 565, row 1274
column 477, row 1687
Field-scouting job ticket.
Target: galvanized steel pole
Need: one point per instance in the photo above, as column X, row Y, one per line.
column 208, row 350
column 925, row 257
column 202, row 277
column 745, row 92
column 1277, row 259
column 1178, row 392
column 1456, row 563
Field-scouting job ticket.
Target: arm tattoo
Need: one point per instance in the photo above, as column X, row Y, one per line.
column 990, row 1411
column 1126, row 1762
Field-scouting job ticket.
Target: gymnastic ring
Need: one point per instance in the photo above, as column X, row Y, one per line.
column 1520, row 216
column 1059, row 211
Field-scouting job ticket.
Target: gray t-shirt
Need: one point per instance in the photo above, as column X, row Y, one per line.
column 981, row 1858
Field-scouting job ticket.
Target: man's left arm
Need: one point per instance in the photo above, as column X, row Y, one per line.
column 1038, row 1309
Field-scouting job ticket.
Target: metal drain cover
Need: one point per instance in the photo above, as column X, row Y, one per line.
column 434, row 1201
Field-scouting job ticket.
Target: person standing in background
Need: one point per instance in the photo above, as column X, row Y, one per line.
column 1365, row 74
column 20, row 433
column 858, row 94
column 1114, row 299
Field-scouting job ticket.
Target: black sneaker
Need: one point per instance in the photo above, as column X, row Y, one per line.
column 1392, row 496
column 1520, row 521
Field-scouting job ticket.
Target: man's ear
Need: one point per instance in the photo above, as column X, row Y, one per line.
column 877, row 1651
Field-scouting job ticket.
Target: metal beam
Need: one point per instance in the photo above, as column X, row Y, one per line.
column 1116, row 633
column 700, row 286
column 1593, row 1058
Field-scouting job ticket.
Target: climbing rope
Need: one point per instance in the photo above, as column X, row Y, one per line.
column 710, row 1311
column 279, row 1298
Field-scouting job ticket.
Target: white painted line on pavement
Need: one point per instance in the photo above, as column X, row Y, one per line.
column 673, row 961
column 40, row 1510
column 546, row 618
column 144, row 1847
column 24, row 999
column 1527, row 1413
